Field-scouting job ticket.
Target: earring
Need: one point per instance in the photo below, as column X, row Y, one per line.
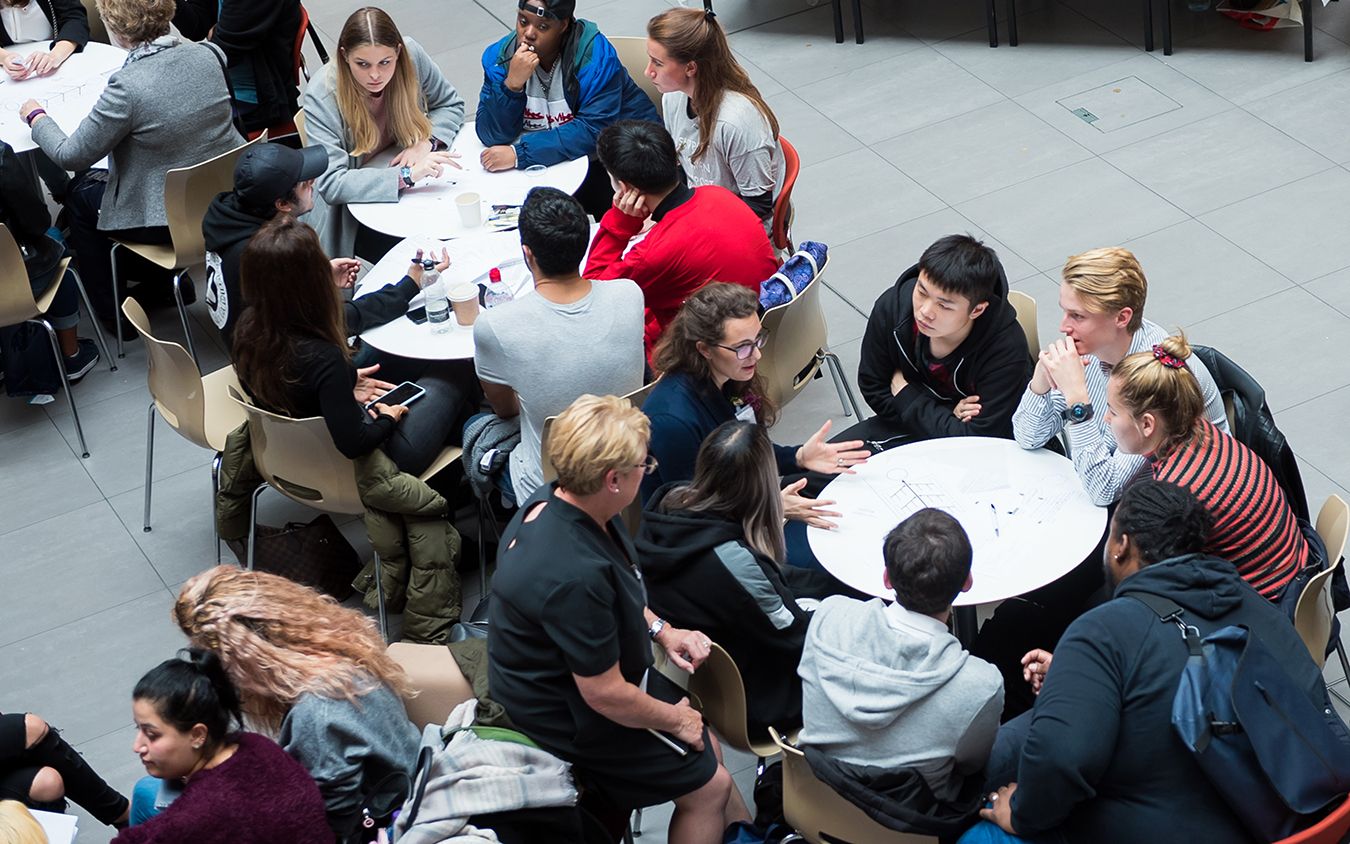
column 197, row 746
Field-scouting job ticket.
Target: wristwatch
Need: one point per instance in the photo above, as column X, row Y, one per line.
column 1077, row 412
column 656, row 628
column 405, row 174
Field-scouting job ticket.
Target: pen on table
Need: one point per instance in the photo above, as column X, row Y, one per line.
column 994, row 510
column 668, row 743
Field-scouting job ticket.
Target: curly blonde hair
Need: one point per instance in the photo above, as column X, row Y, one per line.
column 137, row 21
column 279, row 640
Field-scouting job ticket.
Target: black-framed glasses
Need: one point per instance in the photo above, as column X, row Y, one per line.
column 648, row 466
column 744, row 350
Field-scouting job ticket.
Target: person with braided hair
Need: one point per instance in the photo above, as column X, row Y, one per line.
column 1154, row 408
column 311, row 673
column 1096, row 760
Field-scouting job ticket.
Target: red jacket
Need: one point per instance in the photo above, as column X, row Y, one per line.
column 711, row 236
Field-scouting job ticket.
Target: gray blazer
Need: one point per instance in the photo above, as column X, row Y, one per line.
column 167, row 110
column 344, row 181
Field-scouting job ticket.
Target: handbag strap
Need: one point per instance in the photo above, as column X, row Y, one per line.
column 229, row 87
column 421, row 774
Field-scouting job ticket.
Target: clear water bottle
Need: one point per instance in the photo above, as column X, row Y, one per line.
column 437, row 302
column 497, row 292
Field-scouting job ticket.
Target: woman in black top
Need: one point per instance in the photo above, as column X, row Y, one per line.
column 291, row 352
column 63, row 24
column 570, row 655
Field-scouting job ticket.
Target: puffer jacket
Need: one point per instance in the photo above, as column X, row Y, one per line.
column 406, row 520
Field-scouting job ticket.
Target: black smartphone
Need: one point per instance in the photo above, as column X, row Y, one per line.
column 404, row 394
column 418, row 315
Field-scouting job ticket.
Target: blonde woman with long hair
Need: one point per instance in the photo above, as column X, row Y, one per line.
column 311, row 673
column 382, row 92
column 18, row 826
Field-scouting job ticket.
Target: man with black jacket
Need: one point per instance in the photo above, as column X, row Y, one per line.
column 943, row 355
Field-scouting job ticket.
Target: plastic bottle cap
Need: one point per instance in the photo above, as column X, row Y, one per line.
column 495, row 275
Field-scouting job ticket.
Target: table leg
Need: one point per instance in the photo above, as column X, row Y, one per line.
column 1167, row 27
column 1308, row 30
column 1148, row 25
column 1012, row 23
column 991, row 21
column 965, row 624
column 838, row 7
column 857, row 21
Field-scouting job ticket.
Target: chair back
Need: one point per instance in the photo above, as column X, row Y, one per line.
column 297, row 458
column 820, row 814
column 1330, row 830
column 299, row 121
column 719, row 688
column 188, row 192
column 782, row 206
column 1314, row 613
column 97, row 31
column 632, row 52
column 175, row 384
column 797, row 333
column 1025, row 306
column 435, row 678
column 16, row 295
column 1333, row 524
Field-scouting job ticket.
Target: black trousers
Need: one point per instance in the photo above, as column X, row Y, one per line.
column 93, row 246
column 19, row 765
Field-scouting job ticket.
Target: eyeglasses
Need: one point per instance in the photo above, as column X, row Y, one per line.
column 647, row 466
column 744, row 350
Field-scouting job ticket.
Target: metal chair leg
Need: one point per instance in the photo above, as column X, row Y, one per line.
column 65, row 383
column 379, row 601
column 1012, row 23
column 117, row 304
column 1308, row 30
column 991, row 22
column 1148, row 25
column 182, row 315
column 636, row 825
column 253, row 525
column 838, row 7
column 215, row 493
column 857, row 21
column 1167, row 28
column 98, row 331
column 846, row 397
column 150, row 462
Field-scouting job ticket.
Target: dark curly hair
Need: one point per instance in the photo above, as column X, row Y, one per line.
column 1162, row 520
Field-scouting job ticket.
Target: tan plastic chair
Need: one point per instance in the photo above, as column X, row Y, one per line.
column 1315, row 612
column 633, row 54
column 197, row 406
column 18, row 305
column 187, row 193
column 1025, row 306
column 816, row 811
column 297, row 458
column 718, row 686
column 436, row 679
column 300, row 128
column 797, row 345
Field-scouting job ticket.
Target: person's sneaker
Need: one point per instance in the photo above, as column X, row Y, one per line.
column 79, row 364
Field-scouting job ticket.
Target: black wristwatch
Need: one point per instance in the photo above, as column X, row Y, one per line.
column 1077, row 412
column 656, row 628
column 406, row 175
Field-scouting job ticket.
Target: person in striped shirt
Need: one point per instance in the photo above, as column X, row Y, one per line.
column 1102, row 298
column 1154, row 409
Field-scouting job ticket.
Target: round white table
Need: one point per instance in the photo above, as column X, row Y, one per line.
column 428, row 209
column 1026, row 513
column 470, row 260
column 68, row 95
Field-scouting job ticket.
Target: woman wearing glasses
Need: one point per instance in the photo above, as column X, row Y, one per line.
column 708, row 359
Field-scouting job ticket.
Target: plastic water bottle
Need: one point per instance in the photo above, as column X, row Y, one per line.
column 497, row 292
column 437, row 302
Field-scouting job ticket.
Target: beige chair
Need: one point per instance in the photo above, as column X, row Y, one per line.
column 187, row 193
column 436, row 679
column 797, row 345
column 820, row 815
column 300, row 128
column 1314, row 613
column 197, row 406
column 17, row 304
column 297, row 458
column 97, row 31
column 1025, row 306
column 633, row 54
column 720, row 691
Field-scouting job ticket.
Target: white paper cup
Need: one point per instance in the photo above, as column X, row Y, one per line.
column 470, row 209
column 464, row 302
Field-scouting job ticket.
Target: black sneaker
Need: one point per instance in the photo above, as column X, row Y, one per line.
column 79, row 364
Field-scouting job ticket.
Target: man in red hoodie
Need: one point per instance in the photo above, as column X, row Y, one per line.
column 698, row 234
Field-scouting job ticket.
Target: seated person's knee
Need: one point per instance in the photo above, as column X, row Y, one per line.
column 714, row 793
column 47, row 786
column 35, row 729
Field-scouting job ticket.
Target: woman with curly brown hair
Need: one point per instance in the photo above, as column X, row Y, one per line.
column 310, row 672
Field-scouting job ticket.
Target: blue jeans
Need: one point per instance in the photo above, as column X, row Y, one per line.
column 152, row 796
column 985, row 832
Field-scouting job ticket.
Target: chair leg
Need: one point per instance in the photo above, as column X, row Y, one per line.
column 149, row 462
column 253, row 525
column 636, row 825
column 628, row 835
column 98, row 330
column 1148, row 25
column 1012, row 23
column 182, row 315
column 1167, row 27
column 379, row 601
column 65, row 383
column 991, row 22
column 117, row 305
column 215, row 493
column 793, row 838
column 1308, row 30
column 857, row 21
column 846, row 397
column 838, row 7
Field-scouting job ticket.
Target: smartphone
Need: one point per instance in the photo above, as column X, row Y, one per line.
column 418, row 315
column 404, row 394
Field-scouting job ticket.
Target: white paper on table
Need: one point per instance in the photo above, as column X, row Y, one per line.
column 68, row 95
column 60, row 829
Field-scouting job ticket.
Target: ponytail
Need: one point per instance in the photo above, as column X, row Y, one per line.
column 1160, row 382
column 190, row 689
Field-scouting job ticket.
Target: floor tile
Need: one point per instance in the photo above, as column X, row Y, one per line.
column 1195, row 102
column 814, row 136
column 1051, row 217
column 16, row 413
column 854, row 195
column 1053, row 45
column 957, row 19
column 179, row 543
column 845, row 321
column 464, row 68
column 1334, row 289
column 1317, row 485
column 1316, row 114
column 737, row 15
column 100, row 657
column 1257, row 337
column 1217, row 161
column 111, row 756
column 1307, row 426
column 1194, row 274
column 1127, row 20
column 43, row 478
column 897, row 95
column 981, row 151
column 1280, row 226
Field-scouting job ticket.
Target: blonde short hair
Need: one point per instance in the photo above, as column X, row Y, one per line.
column 594, row 435
column 137, row 21
column 1109, row 280
column 18, row 826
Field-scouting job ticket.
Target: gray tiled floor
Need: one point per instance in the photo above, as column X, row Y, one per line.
column 1232, row 197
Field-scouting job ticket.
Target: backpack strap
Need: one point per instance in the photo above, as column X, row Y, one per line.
column 1170, row 612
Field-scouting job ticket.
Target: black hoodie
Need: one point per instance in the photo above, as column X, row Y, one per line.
column 701, row 575
column 992, row 363
column 1101, row 762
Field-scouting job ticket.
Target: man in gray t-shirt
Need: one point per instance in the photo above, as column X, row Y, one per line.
column 570, row 337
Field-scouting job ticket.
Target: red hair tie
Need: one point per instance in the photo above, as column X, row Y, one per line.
column 1167, row 360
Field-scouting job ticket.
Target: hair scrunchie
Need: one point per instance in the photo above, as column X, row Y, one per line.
column 708, row 10
column 1167, row 360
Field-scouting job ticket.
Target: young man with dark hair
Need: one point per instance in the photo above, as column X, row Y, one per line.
column 887, row 685
column 537, row 354
column 698, row 234
column 943, row 354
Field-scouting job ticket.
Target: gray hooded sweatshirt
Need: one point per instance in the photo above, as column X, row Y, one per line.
column 886, row 687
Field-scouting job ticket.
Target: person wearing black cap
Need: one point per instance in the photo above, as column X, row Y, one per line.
column 549, row 88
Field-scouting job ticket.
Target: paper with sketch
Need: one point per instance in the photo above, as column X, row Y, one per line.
column 60, row 829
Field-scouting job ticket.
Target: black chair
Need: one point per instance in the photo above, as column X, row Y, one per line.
column 991, row 22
